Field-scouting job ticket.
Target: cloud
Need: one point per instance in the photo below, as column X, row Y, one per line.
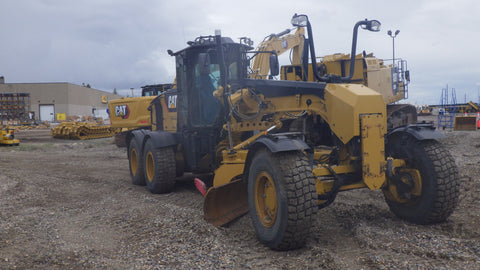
column 122, row 44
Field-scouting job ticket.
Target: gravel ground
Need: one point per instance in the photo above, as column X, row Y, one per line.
column 70, row 205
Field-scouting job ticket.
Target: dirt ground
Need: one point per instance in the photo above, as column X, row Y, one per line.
column 70, row 205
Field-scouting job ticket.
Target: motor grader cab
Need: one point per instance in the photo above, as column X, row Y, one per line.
column 156, row 89
column 284, row 149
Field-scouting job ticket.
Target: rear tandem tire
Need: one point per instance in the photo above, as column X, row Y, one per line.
column 439, row 182
column 160, row 168
column 282, row 198
column 137, row 172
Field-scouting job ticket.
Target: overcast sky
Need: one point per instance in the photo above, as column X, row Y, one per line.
column 123, row 44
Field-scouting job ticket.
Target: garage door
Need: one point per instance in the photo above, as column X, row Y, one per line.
column 47, row 113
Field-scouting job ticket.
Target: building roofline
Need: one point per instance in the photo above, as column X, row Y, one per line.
column 66, row 83
column 40, row 83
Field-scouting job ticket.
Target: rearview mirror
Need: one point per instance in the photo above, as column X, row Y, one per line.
column 372, row 25
column 299, row 20
column 274, row 65
column 407, row 75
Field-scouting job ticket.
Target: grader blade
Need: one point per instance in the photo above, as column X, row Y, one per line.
column 225, row 203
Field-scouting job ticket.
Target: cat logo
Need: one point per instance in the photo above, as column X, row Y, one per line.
column 171, row 101
column 122, row 111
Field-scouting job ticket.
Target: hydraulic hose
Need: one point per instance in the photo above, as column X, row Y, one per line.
column 330, row 196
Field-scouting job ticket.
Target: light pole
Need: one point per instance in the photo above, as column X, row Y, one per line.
column 393, row 38
column 394, row 66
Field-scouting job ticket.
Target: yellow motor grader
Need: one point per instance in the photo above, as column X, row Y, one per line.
column 283, row 149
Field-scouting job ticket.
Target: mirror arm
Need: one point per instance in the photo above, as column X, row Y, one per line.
column 312, row 52
column 221, row 57
column 353, row 52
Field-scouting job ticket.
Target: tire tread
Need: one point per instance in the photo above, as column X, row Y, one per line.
column 448, row 187
column 165, row 171
column 302, row 204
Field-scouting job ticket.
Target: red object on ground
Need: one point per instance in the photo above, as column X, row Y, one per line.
column 200, row 185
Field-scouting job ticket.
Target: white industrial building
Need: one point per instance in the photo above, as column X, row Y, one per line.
column 48, row 101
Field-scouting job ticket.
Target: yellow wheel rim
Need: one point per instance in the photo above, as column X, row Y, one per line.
column 266, row 199
column 150, row 166
column 133, row 161
column 416, row 191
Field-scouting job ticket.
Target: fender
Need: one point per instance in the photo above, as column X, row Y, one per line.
column 161, row 138
column 419, row 131
column 274, row 145
column 280, row 144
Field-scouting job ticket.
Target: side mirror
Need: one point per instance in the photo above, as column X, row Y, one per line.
column 299, row 20
column 204, row 63
column 372, row 25
column 274, row 65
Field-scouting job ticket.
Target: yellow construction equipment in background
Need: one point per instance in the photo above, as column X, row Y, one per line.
column 130, row 113
column 81, row 131
column 474, row 106
column 7, row 137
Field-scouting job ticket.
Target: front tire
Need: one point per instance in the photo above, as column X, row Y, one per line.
column 282, row 198
column 159, row 168
column 432, row 194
